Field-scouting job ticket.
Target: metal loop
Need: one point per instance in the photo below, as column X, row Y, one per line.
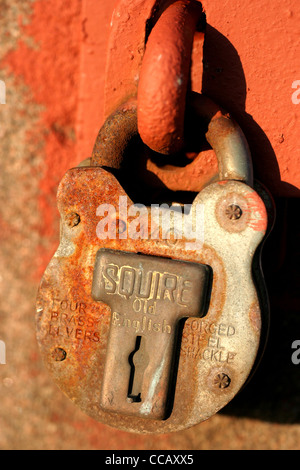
column 165, row 76
column 114, row 136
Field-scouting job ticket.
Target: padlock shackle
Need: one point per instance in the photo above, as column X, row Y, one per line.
column 114, row 136
column 225, row 137
column 223, row 134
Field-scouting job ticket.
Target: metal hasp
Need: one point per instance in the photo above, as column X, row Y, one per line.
column 148, row 296
column 165, row 76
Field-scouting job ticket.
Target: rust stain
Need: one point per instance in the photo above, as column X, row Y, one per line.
column 255, row 317
column 259, row 220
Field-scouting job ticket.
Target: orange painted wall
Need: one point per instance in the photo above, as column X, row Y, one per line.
column 53, row 56
column 251, row 61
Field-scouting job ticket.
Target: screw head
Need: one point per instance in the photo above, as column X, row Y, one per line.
column 73, row 219
column 221, row 381
column 233, row 212
column 59, row 354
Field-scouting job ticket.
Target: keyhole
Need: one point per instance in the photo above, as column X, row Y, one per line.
column 138, row 361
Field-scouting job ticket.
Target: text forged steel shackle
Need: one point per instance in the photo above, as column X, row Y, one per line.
column 217, row 345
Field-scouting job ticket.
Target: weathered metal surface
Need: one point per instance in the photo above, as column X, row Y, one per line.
column 225, row 341
column 130, row 25
column 117, row 132
column 216, row 353
column 165, row 76
column 125, row 49
column 221, row 131
column 92, row 353
column 148, row 297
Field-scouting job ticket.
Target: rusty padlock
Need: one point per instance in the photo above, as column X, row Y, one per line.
column 148, row 326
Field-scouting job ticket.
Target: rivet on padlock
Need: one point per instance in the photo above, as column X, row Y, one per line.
column 144, row 335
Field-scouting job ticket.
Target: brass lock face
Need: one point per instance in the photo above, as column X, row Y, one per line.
column 152, row 334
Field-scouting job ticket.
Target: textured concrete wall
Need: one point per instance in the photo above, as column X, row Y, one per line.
column 48, row 124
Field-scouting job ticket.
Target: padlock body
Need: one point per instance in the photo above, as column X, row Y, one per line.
column 218, row 345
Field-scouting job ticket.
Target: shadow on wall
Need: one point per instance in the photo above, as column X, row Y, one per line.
column 273, row 394
column 224, row 82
